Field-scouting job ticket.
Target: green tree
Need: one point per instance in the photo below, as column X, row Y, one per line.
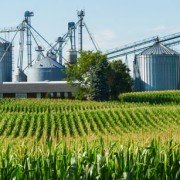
column 99, row 90
column 119, row 79
column 97, row 79
column 79, row 74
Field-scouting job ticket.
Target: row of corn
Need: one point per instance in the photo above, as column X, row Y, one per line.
column 156, row 160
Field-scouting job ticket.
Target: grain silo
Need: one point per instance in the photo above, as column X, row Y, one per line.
column 5, row 61
column 157, row 68
column 72, row 56
column 46, row 69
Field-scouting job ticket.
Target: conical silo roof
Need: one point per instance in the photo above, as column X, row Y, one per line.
column 159, row 49
column 47, row 63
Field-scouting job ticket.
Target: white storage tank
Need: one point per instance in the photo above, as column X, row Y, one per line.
column 157, row 68
column 46, row 69
column 72, row 56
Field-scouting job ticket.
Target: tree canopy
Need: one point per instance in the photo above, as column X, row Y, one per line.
column 99, row 90
column 119, row 79
column 82, row 71
column 98, row 79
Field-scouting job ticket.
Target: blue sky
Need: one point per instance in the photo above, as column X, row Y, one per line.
column 112, row 22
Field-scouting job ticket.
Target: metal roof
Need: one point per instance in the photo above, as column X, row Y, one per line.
column 47, row 63
column 34, row 87
column 3, row 41
column 159, row 49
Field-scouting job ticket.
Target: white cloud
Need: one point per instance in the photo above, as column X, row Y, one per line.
column 106, row 39
column 159, row 28
column 164, row 30
column 107, row 34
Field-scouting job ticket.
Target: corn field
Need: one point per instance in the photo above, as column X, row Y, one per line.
column 154, row 97
column 95, row 161
column 62, row 139
column 56, row 119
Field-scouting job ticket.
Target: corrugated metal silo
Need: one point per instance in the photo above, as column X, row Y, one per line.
column 46, row 69
column 157, row 68
column 72, row 56
column 5, row 61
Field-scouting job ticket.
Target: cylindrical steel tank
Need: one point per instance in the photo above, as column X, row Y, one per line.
column 46, row 70
column 5, row 61
column 157, row 68
column 72, row 56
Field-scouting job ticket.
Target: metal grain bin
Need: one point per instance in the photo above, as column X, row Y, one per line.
column 157, row 68
column 72, row 56
column 5, row 61
column 46, row 69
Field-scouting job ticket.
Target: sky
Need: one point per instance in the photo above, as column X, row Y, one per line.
column 112, row 23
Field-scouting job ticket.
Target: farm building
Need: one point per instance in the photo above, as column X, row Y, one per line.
column 60, row 89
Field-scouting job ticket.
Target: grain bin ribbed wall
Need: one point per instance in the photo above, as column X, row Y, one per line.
column 46, row 69
column 72, row 56
column 157, row 68
column 5, row 61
